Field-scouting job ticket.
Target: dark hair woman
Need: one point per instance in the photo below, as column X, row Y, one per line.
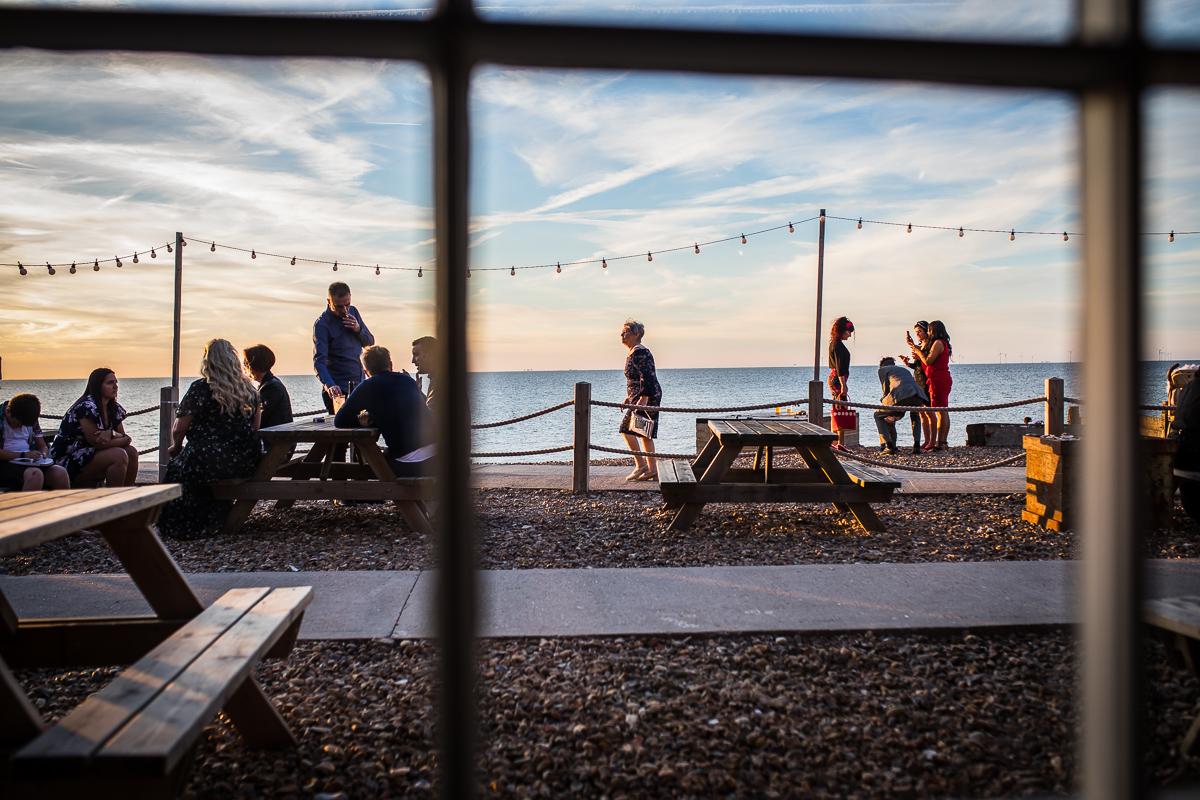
column 91, row 443
column 641, row 388
column 921, row 327
column 936, row 358
column 276, row 403
column 839, row 366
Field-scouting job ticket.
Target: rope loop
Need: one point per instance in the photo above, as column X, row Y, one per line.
column 151, row 450
column 525, row 452
column 934, row 470
column 483, row 425
column 801, row 401
column 930, row 409
column 688, row 456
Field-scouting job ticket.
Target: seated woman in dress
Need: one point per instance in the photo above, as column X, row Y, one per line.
column 24, row 448
column 276, row 403
column 91, row 443
column 219, row 415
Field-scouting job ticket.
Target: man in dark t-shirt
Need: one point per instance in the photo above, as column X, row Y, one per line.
column 391, row 402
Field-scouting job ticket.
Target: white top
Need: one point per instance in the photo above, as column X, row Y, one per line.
column 17, row 440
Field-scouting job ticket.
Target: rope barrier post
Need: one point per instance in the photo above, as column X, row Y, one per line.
column 178, row 307
column 820, row 285
column 1054, row 407
column 816, row 401
column 168, row 401
column 583, row 437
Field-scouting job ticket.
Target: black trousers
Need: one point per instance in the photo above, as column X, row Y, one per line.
column 887, row 428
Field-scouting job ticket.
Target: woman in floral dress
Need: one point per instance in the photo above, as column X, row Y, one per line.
column 219, row 415
column 91, row 443
column 643, row 389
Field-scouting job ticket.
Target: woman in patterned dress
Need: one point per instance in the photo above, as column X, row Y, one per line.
column 91, row 443
column 642, row 389
column 220, row 416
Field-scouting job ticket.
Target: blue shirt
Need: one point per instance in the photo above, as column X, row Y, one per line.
column 396, row 408
column 336, row 349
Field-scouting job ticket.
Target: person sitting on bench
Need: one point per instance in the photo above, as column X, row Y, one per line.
column 899, row 389
column 1186, row 425
column 24, row 465
column 392, row 402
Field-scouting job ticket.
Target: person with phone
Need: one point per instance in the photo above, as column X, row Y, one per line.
column 922, row 422
column 24, row 465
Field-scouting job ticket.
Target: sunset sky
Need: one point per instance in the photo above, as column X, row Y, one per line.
column 102, row 154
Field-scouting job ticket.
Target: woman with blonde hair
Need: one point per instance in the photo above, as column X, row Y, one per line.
column 219, row 415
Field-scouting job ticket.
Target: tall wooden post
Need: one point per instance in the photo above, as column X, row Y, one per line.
column 816, row 402
column 178, row 303
column 820, row 285
column 168, row 401
column 583, row 438
column 1054, row 407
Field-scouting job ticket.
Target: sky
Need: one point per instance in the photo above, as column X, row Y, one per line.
column 104, row 154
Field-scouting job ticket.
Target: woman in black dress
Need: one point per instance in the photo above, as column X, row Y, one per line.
column 220, row 416
column 276, row 403
column 642, row 389
column 91, row 443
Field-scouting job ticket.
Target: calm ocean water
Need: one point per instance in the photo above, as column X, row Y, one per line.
column 502, row 395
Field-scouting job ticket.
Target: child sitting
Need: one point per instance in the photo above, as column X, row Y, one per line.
column 23, row 442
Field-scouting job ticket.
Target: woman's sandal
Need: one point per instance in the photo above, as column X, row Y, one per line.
column 648, row 476
column 636, row 475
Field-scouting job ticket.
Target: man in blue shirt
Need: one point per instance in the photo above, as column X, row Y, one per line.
column 391, row 402
column 339, row 336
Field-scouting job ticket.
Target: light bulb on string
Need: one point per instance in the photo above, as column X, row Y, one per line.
column 118, row 258
column 1065, row 237
column 152, row 253
column 649, row 256
column 96, row 266
column 468, row 272
column 135, row 260
column 1171, row 238
column 512, row 271
column 860, row 223
column 335, row 266
column 169, row 250
column 421, row 273
column 1012, row 235
column 559, row 267
column 72, row 267
column 21, row 267
column 790, row 228
column 604, row 263
column 253, row 254
column 376, row 269
column 960, row 233
column 293, row 261
column 910, row 227
column 49, row 268
column 697, row 248
column 743, row 238
column 182, row 242
column 213, row 248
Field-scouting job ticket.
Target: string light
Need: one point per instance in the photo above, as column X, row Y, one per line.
column 293, row 261
column 421, row 274
column 96, row 266
column 697, row 246
column 910, row 227
column 559, row 267
column 603, row 263
column 253, row 254
column 743, row 238
column 119, row 264
column 135, row 258
column 960, row 233
column 169, row 250
column 182, row 242
column 49, row 268
column 213, row 248
column 649, row 256
column 1065, row 237
column 512, row 271
column 21, row 267
column 335, row 266
column 860, row 223
column 72, row 267
column 790, row 228
column 1171, row 238
column 376, row 269
column 1012, row 235
column 468, row 272
column 152, row 253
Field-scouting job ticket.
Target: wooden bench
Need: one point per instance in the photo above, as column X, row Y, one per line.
column 1178, row 621
column 134, row 738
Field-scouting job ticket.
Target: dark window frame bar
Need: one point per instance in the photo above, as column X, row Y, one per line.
column 1107, row 65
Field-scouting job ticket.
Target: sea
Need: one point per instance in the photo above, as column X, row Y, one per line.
column 504, row 395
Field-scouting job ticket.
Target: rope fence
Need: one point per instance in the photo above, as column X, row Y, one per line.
column 547, row 450
column 640, row 453
column 930, row 409
column 934, row 470
column 726, row 410
column 483, row 425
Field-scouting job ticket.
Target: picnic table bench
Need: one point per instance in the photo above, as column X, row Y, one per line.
column 824, row 479
column 1178, row 621
column 133, row 738
column 316, row 476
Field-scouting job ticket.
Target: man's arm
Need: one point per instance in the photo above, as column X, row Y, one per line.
column 321, row 355
column 347, row 415
column 365, row 337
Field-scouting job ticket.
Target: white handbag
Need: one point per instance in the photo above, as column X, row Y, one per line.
column 641, row 424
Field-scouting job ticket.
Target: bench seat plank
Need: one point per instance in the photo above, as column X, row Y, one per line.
column 1192, row 475
column 19, row 531
column 773, row 493
column 74, row 741
column 158, row 738
column 1176, row 614
column 864, row 475
column 666, row 472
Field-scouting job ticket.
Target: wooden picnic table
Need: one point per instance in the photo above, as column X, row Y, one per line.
column 316, row 476
column 190, row 661
column 823, row 480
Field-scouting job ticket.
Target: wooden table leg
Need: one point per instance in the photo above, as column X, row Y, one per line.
column 20, row 721
column 276, row 454
column 725, row 456
column 412, row 513
column 832, row 468
column 259, row 723
column 707, row 454
column 315, row 455
column 151, row 567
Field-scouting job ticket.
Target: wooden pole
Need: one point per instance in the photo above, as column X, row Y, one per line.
column 820, row 282
column 178, row 303
column 816, row 405
column 168, row 401
column 583, row 437
column 1054, row 407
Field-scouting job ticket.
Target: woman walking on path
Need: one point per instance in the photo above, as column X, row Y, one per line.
column 936, row 358
column 926, row 419
column 220, row 417
column 91, row 443
column 839, row 368
column 642, row 389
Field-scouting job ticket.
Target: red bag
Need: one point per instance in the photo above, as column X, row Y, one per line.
column 844, row 419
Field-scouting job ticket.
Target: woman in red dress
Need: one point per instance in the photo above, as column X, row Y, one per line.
column 936, row 358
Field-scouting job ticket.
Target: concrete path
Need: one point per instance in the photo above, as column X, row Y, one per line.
column 1002, row 480
column 615, row 602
